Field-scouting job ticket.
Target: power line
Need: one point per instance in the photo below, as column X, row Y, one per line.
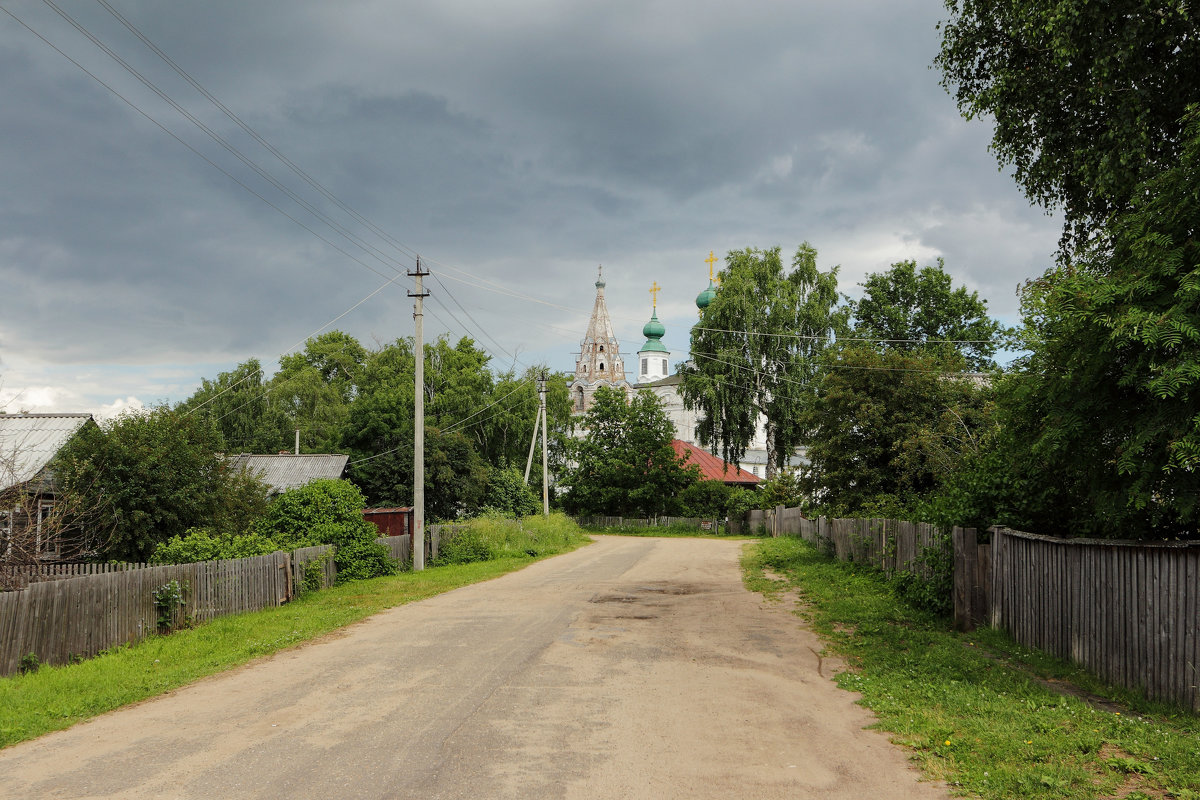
column 181, row 141
column 222, row 141
column 302, row 341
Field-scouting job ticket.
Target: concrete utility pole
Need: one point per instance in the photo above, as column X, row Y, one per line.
column 418, row 533
column 545, row 456
column 537, row 419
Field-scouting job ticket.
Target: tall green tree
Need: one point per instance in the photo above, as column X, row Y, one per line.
column 624, row 462
column 1103, row 414
column 755, row 351
column 1088, row 98
column 887, row 424
column 145, row 477
column 314, row 388
column 895, row 410
column 379, row 429
column 911, row 309
column 239, row 404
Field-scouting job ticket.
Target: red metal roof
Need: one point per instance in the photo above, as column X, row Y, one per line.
column 711, row 467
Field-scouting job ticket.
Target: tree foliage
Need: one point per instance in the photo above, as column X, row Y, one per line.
column 912, row 309
column 754, row 351
column 1088, row 98
column 624, row 462
column 883, row 417
column 1102, row 417
column 895, row 415
column 145, row 477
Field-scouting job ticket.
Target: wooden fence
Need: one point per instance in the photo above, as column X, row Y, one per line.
column 78, row 617
column 70, row 611
column 888, row 544
column 13, row 577
column 1127, row 611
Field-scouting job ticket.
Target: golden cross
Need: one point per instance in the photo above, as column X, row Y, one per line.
column 654, row 290
column 710, row 261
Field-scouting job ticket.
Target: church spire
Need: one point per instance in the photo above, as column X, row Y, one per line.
column 599, row 352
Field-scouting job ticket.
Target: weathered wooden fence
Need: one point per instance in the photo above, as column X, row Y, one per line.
column 400, row 547
column 75, row 617
column 19, row 576
column 1127, row 611
column 888, row 544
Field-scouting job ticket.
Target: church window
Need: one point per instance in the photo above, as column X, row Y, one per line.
column 602, row 366
column 601, row 348
column 644, row 362
column 579, row 399
column 664, row 366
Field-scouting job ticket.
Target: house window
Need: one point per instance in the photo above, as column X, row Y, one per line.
column 47, row 538
column 6, row 521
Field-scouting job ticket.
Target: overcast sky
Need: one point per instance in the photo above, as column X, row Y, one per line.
column 523, row 143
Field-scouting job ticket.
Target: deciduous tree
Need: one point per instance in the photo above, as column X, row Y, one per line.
column 1087, row 98
column 754, row 351
column 625, row 461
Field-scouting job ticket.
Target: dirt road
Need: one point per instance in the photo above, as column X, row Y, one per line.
column 633, row 668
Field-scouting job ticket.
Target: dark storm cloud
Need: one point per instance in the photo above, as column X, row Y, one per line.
column 525, row 143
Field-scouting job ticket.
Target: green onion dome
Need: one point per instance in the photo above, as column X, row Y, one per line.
column 653, row 329
column 706, row 297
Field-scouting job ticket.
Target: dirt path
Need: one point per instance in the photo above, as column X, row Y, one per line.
column 633, row 668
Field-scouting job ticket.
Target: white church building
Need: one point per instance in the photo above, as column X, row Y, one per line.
column 599, row 363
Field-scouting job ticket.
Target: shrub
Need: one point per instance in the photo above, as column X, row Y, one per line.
column 358, row 559
column 507, row 492
column 464, row 547
column 203, row 544
column 328, row 512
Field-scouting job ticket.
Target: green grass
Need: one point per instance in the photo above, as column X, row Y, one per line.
column 57, row 697
column 975, row 709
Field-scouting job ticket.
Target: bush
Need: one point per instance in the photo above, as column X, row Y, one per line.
column 328, row 512
column 360, row 558
column 508, row 493
column 463, row 548
column 204, row 544
column 492, row 536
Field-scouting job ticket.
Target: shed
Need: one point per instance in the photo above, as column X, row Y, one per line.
column 390, row 521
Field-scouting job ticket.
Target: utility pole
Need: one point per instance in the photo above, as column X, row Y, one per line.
column 537, row 419
column 418, row 532
column 545, row 457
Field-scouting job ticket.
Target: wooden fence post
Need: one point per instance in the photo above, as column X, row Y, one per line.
column 966, row 554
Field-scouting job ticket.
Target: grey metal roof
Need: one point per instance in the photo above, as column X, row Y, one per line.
column 29, row 441
column 286, row 471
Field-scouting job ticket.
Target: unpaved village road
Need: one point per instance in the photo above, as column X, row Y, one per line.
column 631, row 668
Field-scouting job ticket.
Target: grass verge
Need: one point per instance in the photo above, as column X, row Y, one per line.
column 57, row 697
column 976, row 710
